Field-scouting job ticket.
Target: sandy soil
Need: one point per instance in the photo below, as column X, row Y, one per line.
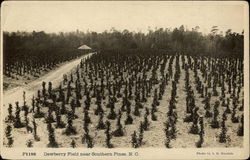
column 55, row 76
column 155, row 137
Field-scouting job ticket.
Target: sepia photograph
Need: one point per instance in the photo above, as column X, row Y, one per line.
column 124, row 79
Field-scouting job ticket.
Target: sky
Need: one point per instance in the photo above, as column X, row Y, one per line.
column 135, row 16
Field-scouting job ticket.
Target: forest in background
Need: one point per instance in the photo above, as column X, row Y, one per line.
column 138, row 91
column 41, row 46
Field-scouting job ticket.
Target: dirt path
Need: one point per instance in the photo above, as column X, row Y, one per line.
column 16, row 94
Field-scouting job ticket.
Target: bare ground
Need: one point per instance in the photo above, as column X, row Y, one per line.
column 55, row 76
column 155, row 137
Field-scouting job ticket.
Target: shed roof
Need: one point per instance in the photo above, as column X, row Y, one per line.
column 84, row 47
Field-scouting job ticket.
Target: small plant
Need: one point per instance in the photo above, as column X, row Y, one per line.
column 26, row 112
column 201, row 134
column 195, row 129
column 134, row 140
column 50, row 117
column 136, row 111
column 52, row 140
column 99, row 109
column 112, row 115
column 18, row 123
column 50, row 89
column 44, row 89
column 29, row 143
column 242, row 105
column 167, row 143
column 73, row 143
column 240, row 131
column 234, row 118
column 101, row 124
column 153, row 116
column 8, row 136
column 86, row 117
column 140, row 138
column 172, row 128
column 33, row 104
column 108, row 136
column 38, row 113
column 59, row 122
column 89, row 141
column 119, row 129
column 223, row 137
column 36, row 137
column 228, row 111
column 73, row 109
column 70, row 130
column 145, row 124
column 129, row 119
column 208, row 114
column 10, row 117
column 63, row 108
column 215, row 123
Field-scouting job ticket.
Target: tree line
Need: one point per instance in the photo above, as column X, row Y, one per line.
column 40, row 48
